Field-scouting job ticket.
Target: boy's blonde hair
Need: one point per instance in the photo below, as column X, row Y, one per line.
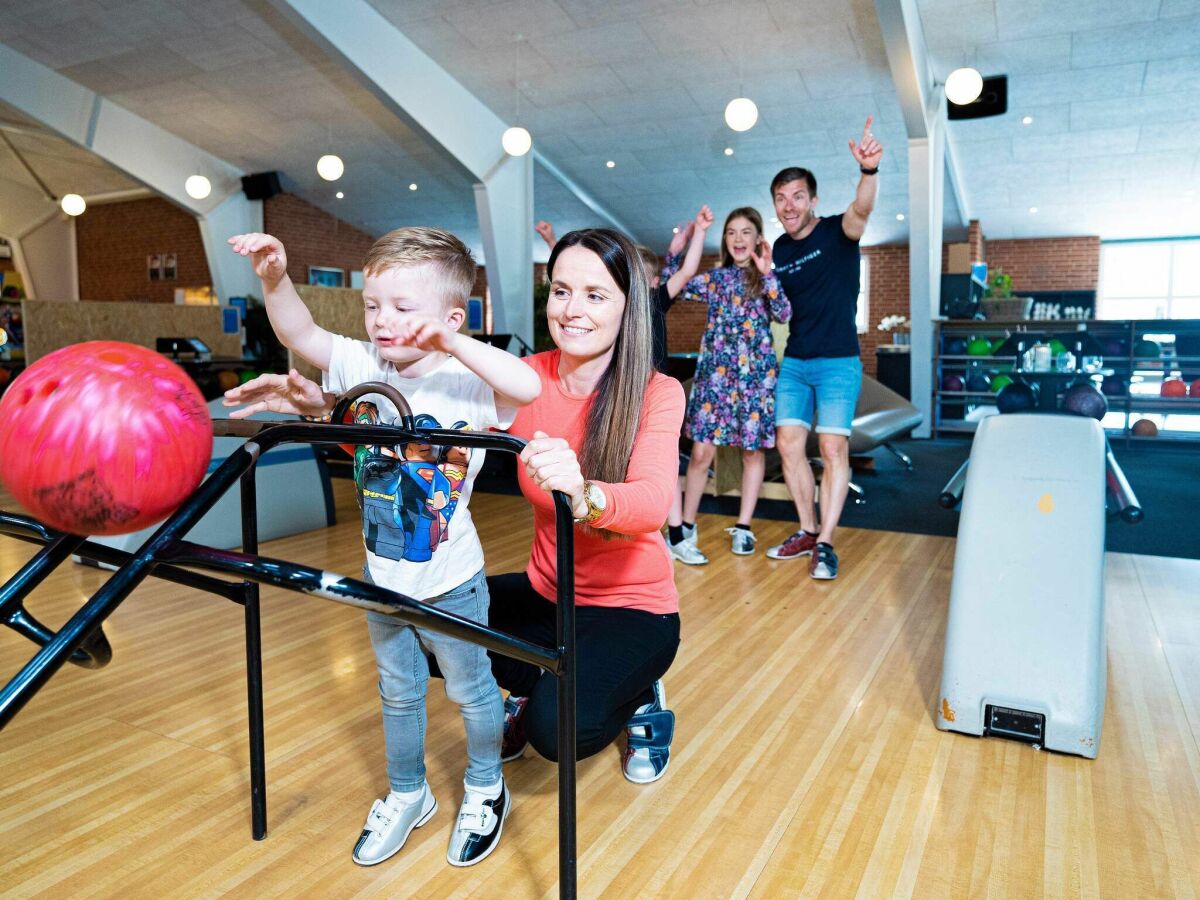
column 649, row 261
column 450, row 259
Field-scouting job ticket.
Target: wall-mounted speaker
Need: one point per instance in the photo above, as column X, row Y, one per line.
column 992, row 101
column 262, row 186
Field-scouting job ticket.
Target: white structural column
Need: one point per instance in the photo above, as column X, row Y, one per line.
column 143, row 151
column 405, row 78
column 926, row 179
column 929, row 164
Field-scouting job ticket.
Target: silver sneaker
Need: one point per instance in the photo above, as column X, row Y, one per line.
column 744, row 541
column 389, row 823
column 480, row 824
column 687, row 552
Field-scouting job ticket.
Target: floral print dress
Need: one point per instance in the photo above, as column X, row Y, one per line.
column 733, row 395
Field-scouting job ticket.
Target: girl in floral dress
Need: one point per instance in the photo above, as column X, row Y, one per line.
column 733, row 394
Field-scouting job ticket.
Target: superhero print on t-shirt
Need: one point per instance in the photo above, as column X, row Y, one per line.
column 407, row 493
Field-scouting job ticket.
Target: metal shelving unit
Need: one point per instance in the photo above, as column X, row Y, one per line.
column 959, row 411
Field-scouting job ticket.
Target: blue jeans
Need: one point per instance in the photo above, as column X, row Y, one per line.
column 825, row 389
column 404, row 675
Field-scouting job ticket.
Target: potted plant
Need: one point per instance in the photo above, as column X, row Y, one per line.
column 898, row 326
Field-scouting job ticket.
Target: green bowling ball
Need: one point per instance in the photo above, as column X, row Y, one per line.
column 1057, row 347
column 247, row 375
column 1147, row 349
column 979, row 347
column 999, row 382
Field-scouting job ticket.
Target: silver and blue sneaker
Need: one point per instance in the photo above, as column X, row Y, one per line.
column 650, row 731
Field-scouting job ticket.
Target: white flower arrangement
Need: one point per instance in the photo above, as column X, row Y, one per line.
column 893, row 323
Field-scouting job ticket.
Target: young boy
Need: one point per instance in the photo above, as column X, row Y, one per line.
column 416, row 525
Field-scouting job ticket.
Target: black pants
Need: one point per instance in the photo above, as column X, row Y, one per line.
column 620, row 653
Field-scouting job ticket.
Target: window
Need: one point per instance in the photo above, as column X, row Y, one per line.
column 1149, row 280
column 863, row 309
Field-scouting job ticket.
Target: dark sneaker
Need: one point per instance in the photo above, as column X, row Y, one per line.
column 479, row 826
column 824, row 563
column 799, row 544
column 513, row 745
column 743, row 541
column 650, row 731
column 389, row 824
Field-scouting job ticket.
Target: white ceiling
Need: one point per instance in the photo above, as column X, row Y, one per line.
column 1113, row 87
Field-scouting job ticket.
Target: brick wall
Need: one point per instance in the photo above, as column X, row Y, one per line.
column 114, row 239
column 1047, row 264
column 888, row 296
column 313, row 237
column 686, row 320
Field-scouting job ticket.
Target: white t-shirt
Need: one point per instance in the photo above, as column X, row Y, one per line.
column 417, row 527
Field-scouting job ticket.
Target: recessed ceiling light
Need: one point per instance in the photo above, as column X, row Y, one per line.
column 899, row 217
column 339, row 195
column 611, row 164
column 741, row 114
column 675, row 230
column 1033, row 209
column 729, row 151
column 1028, row 120
column 413, row 186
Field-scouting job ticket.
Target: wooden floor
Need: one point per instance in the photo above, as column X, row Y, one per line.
column 805, row 763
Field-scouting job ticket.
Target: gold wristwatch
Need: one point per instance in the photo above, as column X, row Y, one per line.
column 596, row 503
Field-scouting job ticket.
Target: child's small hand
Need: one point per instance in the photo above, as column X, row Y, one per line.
column 546, row 231
column 680, row 238
column 266, row 254
column 425, row 333
column 761, row 255
column 291, row 393
column 704, row 218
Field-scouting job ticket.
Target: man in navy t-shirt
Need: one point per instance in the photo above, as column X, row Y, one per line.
column 817, row 262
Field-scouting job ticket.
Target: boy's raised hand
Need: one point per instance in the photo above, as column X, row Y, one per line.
column 546, row 232
column 290, row 393
column 680, row 239
column 425, row 333
column 266, row 254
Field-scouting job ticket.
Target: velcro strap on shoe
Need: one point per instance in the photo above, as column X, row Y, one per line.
column 660, row 730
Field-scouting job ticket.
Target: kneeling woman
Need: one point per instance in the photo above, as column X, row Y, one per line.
column 605, row 431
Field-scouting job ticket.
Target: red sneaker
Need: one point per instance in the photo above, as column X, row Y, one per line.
column 512, row 745
column 799, row 544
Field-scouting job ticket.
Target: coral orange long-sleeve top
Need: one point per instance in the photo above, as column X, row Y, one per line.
column 633, row 571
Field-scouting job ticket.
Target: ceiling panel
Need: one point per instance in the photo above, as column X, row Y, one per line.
column 1112, row 89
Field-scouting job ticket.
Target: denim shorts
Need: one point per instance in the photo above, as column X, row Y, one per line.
column 826, row 386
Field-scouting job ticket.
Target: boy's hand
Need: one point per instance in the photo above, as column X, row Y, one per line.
column 546, row 231
column 704, row 218
column 761, row 254
column 266, row 254
column 680, row 239
column 291, row 393
column 426, row 333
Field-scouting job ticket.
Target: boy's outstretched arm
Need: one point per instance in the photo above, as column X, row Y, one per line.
column 290, row 393
column 514, row 383
column 691, row 260
column 290, row 319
